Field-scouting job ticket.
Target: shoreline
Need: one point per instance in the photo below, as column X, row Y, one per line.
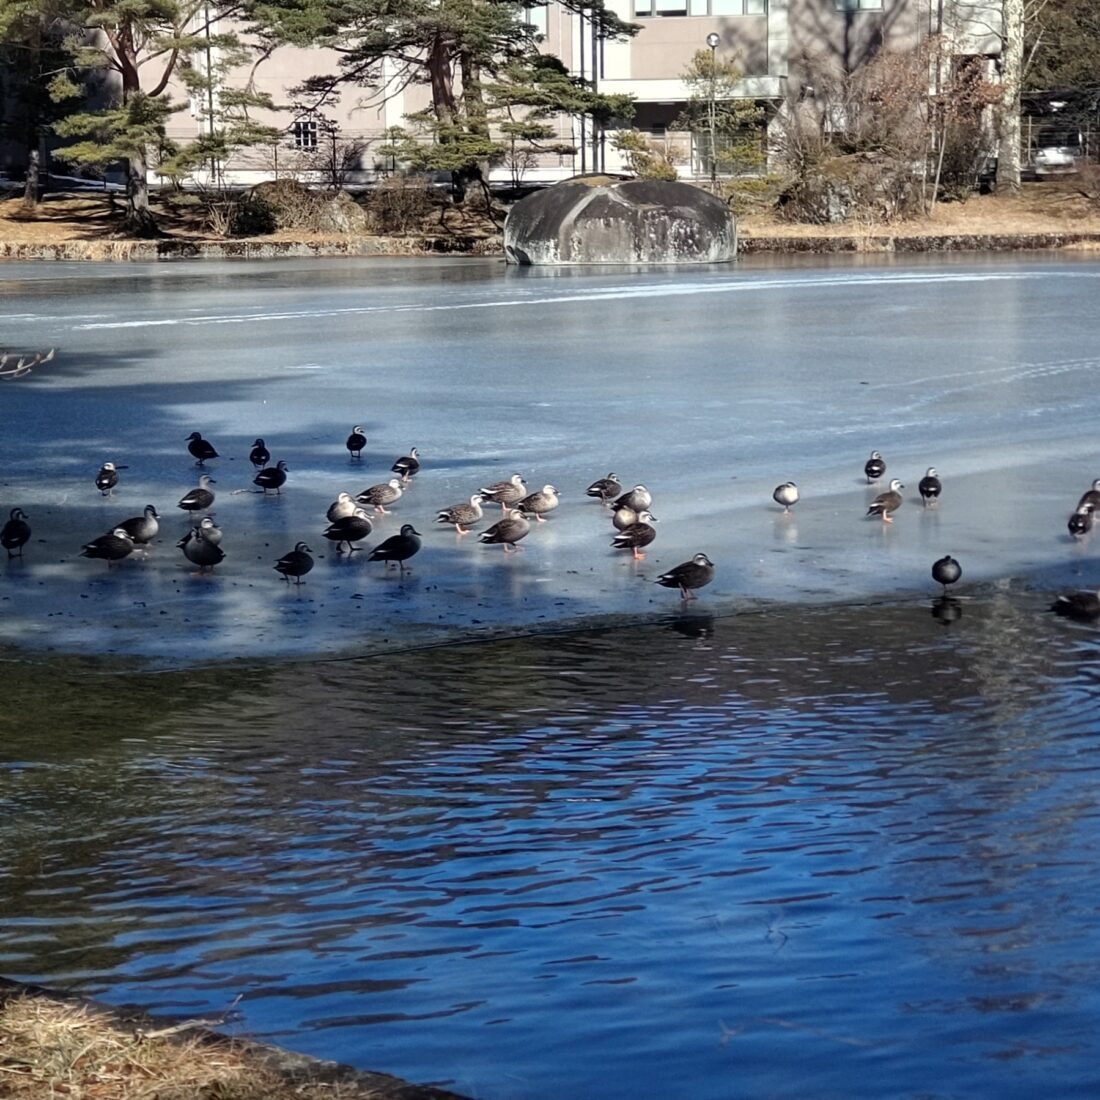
column 1040, row 583
column 749, row 244
column 168, row 1040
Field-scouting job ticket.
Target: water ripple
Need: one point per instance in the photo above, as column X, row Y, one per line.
column 649, row 862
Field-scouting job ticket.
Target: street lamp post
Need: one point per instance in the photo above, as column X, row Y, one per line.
column 712, row 42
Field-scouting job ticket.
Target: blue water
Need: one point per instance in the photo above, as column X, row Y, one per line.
column 841, row 852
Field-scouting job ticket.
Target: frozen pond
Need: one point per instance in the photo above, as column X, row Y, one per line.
column 710, row 387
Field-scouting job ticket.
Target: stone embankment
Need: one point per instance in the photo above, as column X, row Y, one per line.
column 176, row 248
column 901, row 242
column 749, row 244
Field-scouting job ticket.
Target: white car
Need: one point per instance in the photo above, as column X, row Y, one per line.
column 79, row 183
column 1056, row 160
column 64, row 183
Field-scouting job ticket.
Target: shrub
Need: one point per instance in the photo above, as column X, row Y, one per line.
column 400, row 205
column 252, row 217
column 752, row 194
column 646, row 162
column 293, row 204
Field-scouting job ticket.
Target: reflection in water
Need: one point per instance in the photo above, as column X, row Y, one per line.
column 946, row 609
column 678, row 860
column 693, row 624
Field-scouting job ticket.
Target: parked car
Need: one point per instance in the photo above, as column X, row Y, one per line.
column 64, row 183
column 1057, row 160
column 79, row 183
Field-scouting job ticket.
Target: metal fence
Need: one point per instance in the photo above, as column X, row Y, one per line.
column 1041, row 132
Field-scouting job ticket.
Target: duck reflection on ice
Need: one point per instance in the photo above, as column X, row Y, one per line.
column 693, row 625
column 947, row 609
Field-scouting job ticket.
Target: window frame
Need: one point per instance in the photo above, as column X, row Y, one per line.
column 647, row 9
column 305, row 134
column 541, row 23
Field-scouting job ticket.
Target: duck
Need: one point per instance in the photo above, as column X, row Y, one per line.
column 398, row 548
column 381, row 495
column 199, row 550
column 623, row 517
column 144, row 528
column 639, row 498
column 462, row 516
column 356, row 441
column 637, row 535
column 349, row 529
column 201, row 449
column 107, row 478
column 505, row 493
column 787, row 495
column 272, row 477
column 689, row 575
column 342, row 507
column 259, row 456
column 295, row 563
column 205, row 529
column 1091, row 496
column 946, row 571
column 16, row 533
column 929, row 486
column 406, row 466
column 199, row 498
column 110, row 547
column 605, row 489
column 1084, row 606
column 1082, row 521
column 507, row 531
column 538, row 503
column 887, row 502
column 874, row 467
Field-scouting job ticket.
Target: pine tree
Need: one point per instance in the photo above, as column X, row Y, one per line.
column 717, row 116
column 141, row 46
column 479, row 58
column 33, row 53
column 1063, row 47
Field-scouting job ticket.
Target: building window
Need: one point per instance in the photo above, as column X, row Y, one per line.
column 305, row 133
column 645, row 9
column 538, row 17
column 858, row 5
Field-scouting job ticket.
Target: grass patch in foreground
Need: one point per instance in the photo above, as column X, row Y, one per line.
column 49, row 1048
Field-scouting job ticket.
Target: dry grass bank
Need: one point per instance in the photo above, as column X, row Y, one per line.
column 1054, row 207
column 1048, row 207
column 51, row 1048
column 67, row 219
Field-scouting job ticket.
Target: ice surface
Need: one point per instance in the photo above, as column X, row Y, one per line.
column 709, row 386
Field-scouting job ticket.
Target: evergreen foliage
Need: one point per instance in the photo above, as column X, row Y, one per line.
column 480, row 61
column 738, row 122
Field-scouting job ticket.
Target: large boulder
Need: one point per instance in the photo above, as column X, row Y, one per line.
column 600, row 220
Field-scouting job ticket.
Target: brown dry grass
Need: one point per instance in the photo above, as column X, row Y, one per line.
column 60, row 219
column 1054, row 206
column 52, row 1049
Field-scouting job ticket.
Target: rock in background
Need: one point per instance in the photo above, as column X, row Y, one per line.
column 599, row 220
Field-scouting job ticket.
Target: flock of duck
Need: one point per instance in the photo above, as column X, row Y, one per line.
column 351, row 518
column 350, row 522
